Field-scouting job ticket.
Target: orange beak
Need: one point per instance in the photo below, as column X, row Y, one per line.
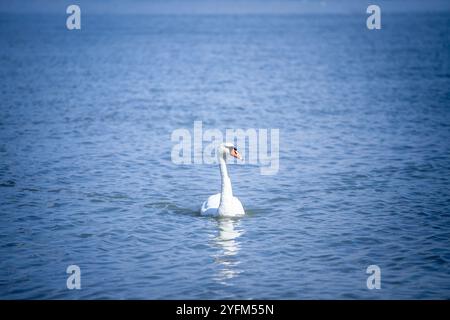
column 236, row 154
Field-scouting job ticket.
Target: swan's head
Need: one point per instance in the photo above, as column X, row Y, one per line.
column 228, row 149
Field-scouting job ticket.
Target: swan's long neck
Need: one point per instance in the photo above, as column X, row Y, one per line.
column 227, row 192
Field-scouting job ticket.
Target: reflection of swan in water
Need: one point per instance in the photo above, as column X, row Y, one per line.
column 227, row 242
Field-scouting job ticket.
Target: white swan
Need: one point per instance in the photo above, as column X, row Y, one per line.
column 223, row 203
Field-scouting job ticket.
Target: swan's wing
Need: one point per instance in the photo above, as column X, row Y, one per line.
column 210, row 206
column 237, row 207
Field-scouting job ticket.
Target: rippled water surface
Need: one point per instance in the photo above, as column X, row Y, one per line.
column 86, row 176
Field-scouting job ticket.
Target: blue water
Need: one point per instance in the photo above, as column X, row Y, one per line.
column 86, row 176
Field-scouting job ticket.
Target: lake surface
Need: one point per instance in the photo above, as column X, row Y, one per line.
column 86, row 176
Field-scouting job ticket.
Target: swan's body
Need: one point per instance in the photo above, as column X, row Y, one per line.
column 210, row 207
column 224, row 203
